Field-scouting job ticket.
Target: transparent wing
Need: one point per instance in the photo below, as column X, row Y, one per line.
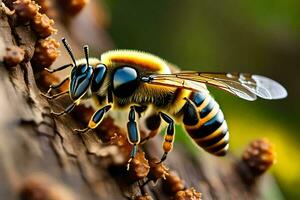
column 245, row 86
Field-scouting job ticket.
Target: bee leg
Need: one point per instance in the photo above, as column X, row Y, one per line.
column 55, row 86
column 67, row 110
column 140, row 109
column 58, row 69
column 133, row 134
column 81, row 131
column 54, row 96
column 95, row 119
column 169, row 136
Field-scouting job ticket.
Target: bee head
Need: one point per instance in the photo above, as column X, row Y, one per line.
column 81, row 75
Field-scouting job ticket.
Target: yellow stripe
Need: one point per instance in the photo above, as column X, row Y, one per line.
column 204, row 103
column 212, row 113
column 224, row 139
column 167, row 146
column 169, row 138
column 214, row 134
column 179, row 101
column 92, row 124
column 215, row 145
column 183, row 93
column 144, row 60
column 222, row 150
column 187, row 127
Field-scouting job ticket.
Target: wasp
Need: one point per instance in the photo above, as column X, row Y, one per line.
column 140, row 82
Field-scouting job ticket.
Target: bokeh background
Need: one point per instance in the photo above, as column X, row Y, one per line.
column 257, row 36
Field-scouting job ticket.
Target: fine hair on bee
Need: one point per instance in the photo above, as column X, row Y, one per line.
column 141, row 83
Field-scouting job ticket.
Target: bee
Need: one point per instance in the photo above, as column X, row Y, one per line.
column 138, row 82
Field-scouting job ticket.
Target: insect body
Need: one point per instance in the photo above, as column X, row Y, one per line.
column 140, row 82
column 211, row 131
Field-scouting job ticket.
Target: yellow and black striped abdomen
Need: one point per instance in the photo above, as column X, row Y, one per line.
column 211, row 132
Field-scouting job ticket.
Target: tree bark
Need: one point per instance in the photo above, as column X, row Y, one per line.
column 41, row 156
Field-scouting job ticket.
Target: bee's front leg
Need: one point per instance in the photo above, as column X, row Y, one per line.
column 132, row 134
column 95, row 119
column 169, row 136
column 58, row 69
column 54, row 96
column 67, row 110
column 55, row 86
column 55, row 70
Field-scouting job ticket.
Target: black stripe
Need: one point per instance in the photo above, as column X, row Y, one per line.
column 198, row 98
column 214, row 140
column 218, row 148
column 206, row 110
column 222, row 153
column 209, row 127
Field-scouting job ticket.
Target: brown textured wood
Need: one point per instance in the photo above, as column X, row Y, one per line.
column 39, row 152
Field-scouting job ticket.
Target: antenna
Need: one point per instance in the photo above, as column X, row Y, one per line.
column 67, row 46
column 86, row 53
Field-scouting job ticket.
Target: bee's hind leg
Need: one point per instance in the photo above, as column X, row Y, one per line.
column 95, row 119
column 133, row 134
column 169, row 136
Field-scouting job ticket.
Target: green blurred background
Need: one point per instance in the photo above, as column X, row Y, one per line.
column 257, row 36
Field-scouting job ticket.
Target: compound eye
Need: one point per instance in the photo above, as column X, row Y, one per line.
column 81, row 77
column 125, row 81
column 98, row 78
